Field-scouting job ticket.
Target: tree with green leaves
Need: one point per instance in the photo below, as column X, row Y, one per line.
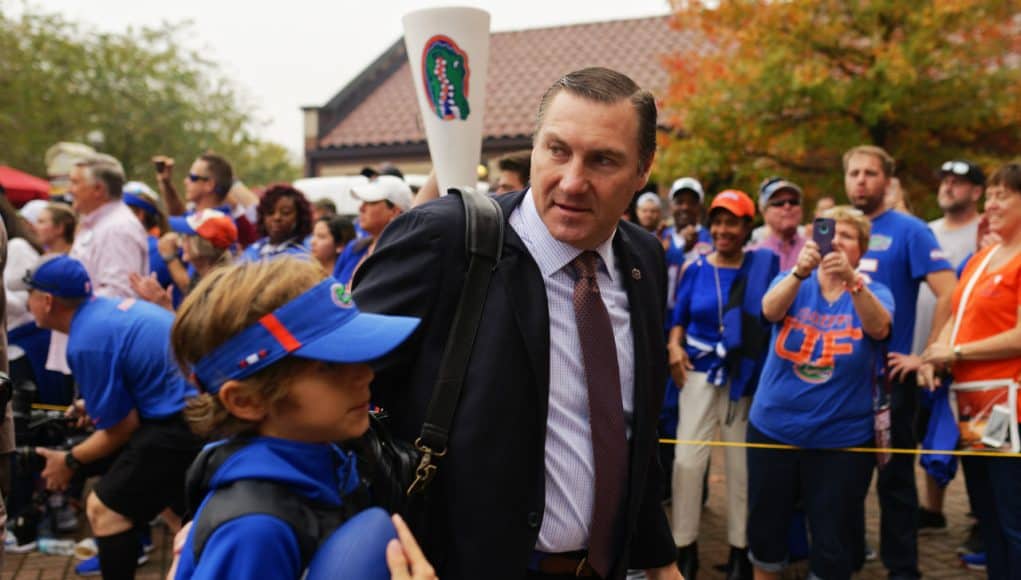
column 133, row 95
column 785, row 87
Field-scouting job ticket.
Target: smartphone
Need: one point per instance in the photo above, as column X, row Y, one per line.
column 822, row 234
column 997, row 430
column 160, row 165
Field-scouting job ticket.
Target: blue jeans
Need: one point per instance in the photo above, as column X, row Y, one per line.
column 996, row 501
column 832, row 485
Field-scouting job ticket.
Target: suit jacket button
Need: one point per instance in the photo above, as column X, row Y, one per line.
column 533, row 520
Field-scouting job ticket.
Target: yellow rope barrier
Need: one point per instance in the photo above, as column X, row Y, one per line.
column 784, row 447
column 45, row 407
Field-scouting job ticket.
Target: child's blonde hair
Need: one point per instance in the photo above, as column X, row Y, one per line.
column 227, row 301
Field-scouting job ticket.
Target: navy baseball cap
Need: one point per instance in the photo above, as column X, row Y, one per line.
column 321, row 324
column 59, row 275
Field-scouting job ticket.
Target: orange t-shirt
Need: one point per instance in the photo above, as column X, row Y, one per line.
column 991, row 309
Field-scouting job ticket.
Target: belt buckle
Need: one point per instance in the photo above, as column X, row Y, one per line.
column 581, row 565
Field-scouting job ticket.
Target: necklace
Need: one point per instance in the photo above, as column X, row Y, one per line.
column 719, row 297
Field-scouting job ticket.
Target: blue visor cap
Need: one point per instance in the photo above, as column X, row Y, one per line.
column 135, row 200
column 321, row 324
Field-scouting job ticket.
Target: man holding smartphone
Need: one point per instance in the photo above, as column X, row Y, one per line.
column 902, row 253
column 780, row 203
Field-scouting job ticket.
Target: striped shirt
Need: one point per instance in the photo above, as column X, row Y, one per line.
column 570, row 469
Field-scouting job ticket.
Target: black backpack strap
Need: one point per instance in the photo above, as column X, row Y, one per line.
column 483, row 245
column 310, row 522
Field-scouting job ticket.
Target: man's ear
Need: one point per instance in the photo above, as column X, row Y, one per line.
column 242, row 403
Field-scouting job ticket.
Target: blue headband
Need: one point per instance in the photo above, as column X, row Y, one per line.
column 321, row 324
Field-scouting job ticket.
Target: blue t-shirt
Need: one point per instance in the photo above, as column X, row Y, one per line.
column 902, row 252
column 698, row 308
column 159, row 266
column 348, row 260
column 816, row 387
column 119, row 353
column 264, row 250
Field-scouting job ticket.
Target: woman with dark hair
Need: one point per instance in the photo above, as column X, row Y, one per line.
column 285, row 220
column 981, row 347
column 329, row 237
column 55, row 227
column 716, row 348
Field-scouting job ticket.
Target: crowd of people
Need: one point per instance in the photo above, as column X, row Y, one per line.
column 225, row 347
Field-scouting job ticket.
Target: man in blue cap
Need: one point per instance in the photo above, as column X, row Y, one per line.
column 131, row 391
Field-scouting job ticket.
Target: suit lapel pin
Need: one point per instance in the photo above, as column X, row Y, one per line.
column 636, row 273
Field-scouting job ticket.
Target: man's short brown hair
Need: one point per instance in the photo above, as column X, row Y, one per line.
column 603, row 85
column 222, row 173
column 889, row 165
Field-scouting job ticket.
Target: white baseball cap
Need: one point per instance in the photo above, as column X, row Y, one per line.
column 689, row 184
column 384, row 187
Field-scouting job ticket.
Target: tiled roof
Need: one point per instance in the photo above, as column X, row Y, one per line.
column 522, row 64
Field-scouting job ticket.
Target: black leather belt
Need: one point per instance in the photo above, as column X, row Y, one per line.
column 563, row 564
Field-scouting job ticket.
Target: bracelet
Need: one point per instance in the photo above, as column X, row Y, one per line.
column 858, row 286
column 169, row 258
column 794, row 272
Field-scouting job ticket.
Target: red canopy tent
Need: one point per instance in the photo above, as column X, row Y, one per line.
column 21, row 187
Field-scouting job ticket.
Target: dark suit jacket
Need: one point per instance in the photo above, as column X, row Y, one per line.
column 486, row 504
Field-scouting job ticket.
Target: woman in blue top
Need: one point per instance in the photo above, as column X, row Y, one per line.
column 816, row 393
column 285, row 220
column 714, row 360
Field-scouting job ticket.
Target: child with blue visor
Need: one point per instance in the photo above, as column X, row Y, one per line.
column 279, row 353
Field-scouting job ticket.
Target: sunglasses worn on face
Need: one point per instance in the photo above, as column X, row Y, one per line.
column 955, row 167
column 193, row 178
column 793, row 202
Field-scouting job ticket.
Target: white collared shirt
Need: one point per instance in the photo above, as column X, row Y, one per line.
column 570, row 469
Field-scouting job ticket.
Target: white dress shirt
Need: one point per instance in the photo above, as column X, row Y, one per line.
column 570, row 469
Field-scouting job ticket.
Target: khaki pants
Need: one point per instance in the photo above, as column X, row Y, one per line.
column 703, row 408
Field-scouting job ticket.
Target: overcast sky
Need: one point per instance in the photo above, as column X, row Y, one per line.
column 284, row 55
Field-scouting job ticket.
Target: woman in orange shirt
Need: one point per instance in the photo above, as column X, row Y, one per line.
column 981, row 344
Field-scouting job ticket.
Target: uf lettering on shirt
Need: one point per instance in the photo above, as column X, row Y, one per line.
column 810, row 339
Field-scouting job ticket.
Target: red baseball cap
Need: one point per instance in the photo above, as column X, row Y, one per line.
column 735, row 201
column 211, row 225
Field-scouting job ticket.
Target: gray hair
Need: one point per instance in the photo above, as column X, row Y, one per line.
column 107, row 170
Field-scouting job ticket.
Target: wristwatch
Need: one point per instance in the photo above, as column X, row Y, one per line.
column 168, row 258
column 71, row 461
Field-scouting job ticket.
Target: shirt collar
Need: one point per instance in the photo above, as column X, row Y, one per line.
column 90, row 219
column 554, row 255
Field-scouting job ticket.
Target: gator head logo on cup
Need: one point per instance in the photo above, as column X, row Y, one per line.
column 445, row 73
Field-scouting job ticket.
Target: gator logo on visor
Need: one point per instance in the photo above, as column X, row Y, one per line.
column 340, row 296
column 445, row 74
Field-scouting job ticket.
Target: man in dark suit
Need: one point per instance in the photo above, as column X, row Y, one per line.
column 552, row 468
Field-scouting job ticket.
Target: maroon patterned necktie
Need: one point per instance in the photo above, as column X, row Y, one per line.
column 606, row 413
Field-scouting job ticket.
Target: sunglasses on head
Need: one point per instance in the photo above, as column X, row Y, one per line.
column 792, row 202
column 956, row 167
column 193, row 178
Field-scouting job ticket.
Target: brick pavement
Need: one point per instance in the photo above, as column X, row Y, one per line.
column 937, row 552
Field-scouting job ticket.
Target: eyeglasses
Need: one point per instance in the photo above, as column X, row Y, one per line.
column 193, row 178
column 956, row 167
column 792, row 202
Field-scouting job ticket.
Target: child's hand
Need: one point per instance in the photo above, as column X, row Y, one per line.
column 179, row 540
column 404, row 558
